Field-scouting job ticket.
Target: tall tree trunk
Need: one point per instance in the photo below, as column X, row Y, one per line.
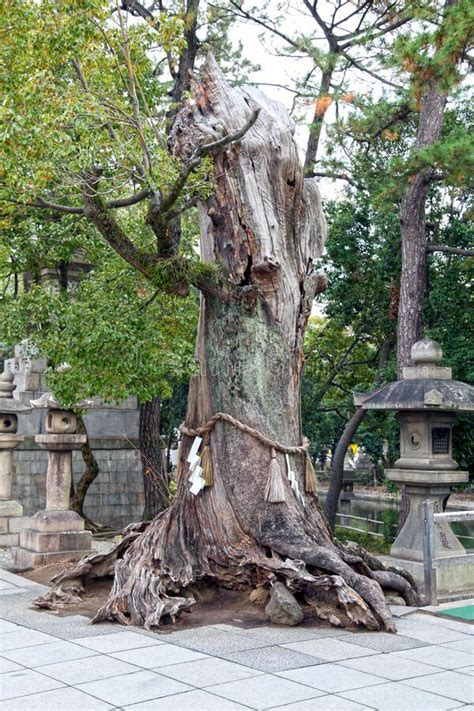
column 155, row 481
column 356, row 419
column 413, row 278
column 337, row 465
column 79, row 493
column 263, row 226
column 318, row 121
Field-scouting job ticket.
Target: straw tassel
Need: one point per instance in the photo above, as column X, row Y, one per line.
column 310, row 482
column 206, row 464
column 275, row 491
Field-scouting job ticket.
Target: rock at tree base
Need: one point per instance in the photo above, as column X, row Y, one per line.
column 283, row 608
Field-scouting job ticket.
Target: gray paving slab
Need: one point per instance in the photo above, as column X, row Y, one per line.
column 446, row 622
column 23, row 638
column 466, row 670
column 41, row 654
column 438, row 656
column 198, row 700
column 402, row 610
column 330, row 649
column 463, row 645
column 382, row 641
column 6, row 665
column 159, row 655
column 133, row 688
column 88, row 669
column 119, row 642
column 447, row 683
column 264, row 691
column 390, row 666
column 64, row 699
column 25, row 682
column 323, row 703
column 331, row 678
column 273, row 659
column 280, row 634
column 397, row 696
column 8, row 626
column 215, row 642
column 4, row 585
column 427, row 632
column 207, row 672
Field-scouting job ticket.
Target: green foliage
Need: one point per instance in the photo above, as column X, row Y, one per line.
column 372, row 544
column 390, row 524
column 111, row 339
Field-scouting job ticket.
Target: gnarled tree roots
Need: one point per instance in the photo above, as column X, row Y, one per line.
column 154, row 576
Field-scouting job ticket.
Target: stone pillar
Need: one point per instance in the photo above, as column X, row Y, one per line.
column 55, row 533
column 11, row 512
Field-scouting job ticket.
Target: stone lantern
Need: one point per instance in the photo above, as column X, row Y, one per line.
column 426, row 400
column 11, row 512
column 55, row 533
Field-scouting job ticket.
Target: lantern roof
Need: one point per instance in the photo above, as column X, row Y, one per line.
column 424, row 386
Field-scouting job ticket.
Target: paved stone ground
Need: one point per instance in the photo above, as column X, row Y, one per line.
column 53, row 663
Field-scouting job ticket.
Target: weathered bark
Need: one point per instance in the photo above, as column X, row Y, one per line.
column 263, row 226
column 155, row 482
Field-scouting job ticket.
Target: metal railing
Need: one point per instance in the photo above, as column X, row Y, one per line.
column 430, row 562
column 370, row 522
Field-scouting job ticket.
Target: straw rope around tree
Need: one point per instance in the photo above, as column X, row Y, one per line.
column 275, row 490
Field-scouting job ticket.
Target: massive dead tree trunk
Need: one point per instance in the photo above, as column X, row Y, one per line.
column 263, row 226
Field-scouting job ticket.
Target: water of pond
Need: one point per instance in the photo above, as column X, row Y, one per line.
column 371, row 510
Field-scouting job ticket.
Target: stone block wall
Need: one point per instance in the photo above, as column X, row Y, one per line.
column 115, row 498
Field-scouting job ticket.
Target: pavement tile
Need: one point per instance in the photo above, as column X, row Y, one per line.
column 6, row 586
column 382, row 641
column 273, row 659
column 197, row 700
column 119, row 642
column 23, row 638
column 466, row 670
column 390, row 666
column 158, row 656
column 463, row 645
column 217, row 644
column 438, row 656
column 206, row 672
column 456, row 625
column 264, row 691
column 395, row 696
column 401, row 610
column 275, row 634
column 427, row 632
column 66, row 699
column 324, row 703
column 133, row 688
column 330, row 649
column 24, row 682
column 6, row 626
column 51, row 653
column 7, row 666
column 88, row 669
column 331, row 677
column 448, row 683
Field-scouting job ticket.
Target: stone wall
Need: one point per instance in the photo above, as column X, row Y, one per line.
column 115, row 498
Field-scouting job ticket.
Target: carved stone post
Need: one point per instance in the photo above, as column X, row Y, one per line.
column 11, row 512
column 55, row 533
